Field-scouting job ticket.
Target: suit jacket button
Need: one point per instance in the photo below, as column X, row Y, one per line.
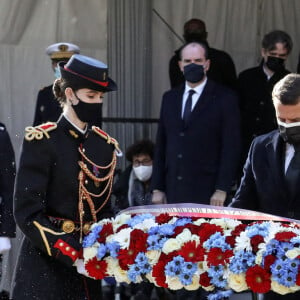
column 179, row 155
column 181, row 134
column 179, row 177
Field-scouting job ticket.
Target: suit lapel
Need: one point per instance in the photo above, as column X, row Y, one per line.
column 275, row 154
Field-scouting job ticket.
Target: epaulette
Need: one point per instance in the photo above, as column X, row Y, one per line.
column 38, row 132
column 108, row 138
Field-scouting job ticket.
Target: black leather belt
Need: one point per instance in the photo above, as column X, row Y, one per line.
column 69, row 226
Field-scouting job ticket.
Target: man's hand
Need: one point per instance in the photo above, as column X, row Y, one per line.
column 218, row 198
column 5, row 244
column 158, row 197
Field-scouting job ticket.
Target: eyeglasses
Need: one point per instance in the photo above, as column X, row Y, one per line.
column 144, row 162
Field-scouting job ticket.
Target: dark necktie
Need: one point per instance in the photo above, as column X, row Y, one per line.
column 188, row 107
column 293, row 172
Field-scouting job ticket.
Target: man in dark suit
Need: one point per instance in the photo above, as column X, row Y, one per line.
column 221, row 70
column 47, row 107
column 270, row 183
column 197, row 149
column 255, row 87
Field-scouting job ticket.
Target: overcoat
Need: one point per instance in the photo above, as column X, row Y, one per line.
column 193, row 160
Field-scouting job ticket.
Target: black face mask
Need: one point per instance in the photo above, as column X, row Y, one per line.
column 290, row 133
column 193, row 73
column 275, row 64
column 88, row 112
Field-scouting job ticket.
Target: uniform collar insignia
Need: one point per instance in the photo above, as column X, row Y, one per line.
column 73, row 134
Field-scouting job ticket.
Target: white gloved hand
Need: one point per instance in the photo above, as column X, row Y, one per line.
column 79, row 264
column 5, row 244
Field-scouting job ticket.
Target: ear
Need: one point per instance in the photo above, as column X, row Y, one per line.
column 69, row 93
column 207, row 65
column 180, row 64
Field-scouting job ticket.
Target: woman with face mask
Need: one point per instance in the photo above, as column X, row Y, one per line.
column 132, row 189
column 63, row 186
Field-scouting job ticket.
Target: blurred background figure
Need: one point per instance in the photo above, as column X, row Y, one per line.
column 222, row 69
column 255, row 87
column 132, row 186
column 47, row 108
column 7, row 223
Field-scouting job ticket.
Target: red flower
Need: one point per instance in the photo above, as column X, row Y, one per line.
column 122, row 227
column 126, row 257
column 96, row 268
column 163, row 218
column 268, row 262
column 190, row 252
column 105, row 232
column 206, row 230
column 255, row 241
column 217, row 257
column 258, row 279
column 204, row 279
column 298, row 279
column 158, row 270
column 138, row 240
column 238, row 229
column 230, row 240
column 285, row 236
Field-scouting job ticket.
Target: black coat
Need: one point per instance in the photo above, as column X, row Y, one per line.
column 7, row 178
column 47, row 185
column 257, row 109
column 192, row 161
column 221, row 70
column 47, row 107
column 263, row 185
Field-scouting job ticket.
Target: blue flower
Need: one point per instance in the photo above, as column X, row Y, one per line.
column 258, row 229
column 139, row 219
column 101, row 251
column 153, row 242
column 189, row 268
column 295, row 240
column 166, row 229
column 113, row 248
column 133, row 272
column 185, row 278
column 162, row 242
column 217, row 240
column 182, row 221
column 173, row 268
column 153, row 230
column 216, row 274
column 91, row 238
column 241, row 261
column 271, row 247
column 218, row 295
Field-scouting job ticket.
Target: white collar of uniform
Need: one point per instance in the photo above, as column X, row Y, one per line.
column 198, row 89
column 83, row 131
column 265, row 71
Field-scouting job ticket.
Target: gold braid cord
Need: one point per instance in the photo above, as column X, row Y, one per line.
column 38, row 132
column 105, row 181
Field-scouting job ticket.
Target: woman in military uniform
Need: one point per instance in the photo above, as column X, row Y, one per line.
column 63, row 185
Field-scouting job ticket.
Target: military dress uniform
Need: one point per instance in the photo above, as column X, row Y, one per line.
column 7, row 178
column 63, row 185
column 47, row 107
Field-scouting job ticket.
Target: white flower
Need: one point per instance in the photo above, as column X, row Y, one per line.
column 219, row 222
column 174, row 283
column 120, row 220
column 153, row 256
column 242, row 242
column 194, row 285
column 199, row 221
column 112, row 265
column 259, row 256
column 293, row 253
column 146, row 224
column 281, row 289
column 195, row 238
column 170, row 245
column 237, row 282
column 122, row 237
column 184, row 236
column 90, row 252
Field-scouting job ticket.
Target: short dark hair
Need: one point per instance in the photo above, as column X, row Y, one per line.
column 194, row 30
column 277, row 36
column 140, row 147
column 203, row 45
column 287, row 90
